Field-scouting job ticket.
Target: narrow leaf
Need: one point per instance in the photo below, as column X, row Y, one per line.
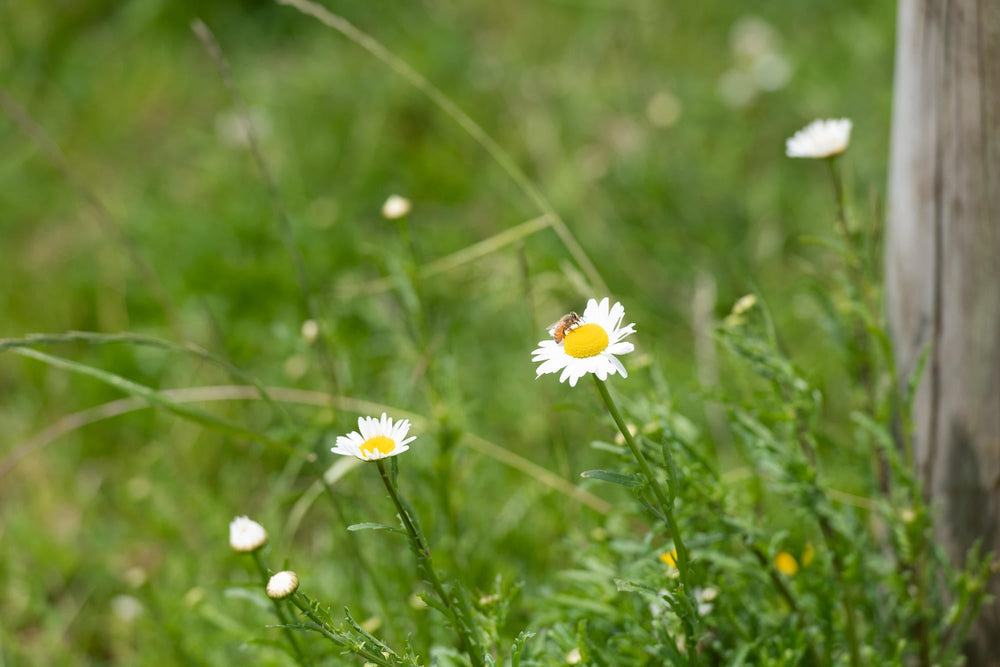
column 613, row 477
column 373, row 526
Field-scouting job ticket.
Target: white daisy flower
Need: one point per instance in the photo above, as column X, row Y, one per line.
column 590, row 345
column 820, row 139
column 375, row 439
column 282, row 584
column 246, row 535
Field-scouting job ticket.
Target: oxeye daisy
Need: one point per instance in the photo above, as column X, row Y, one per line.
column 375, row 439
column 820, row 139
column 589, row 343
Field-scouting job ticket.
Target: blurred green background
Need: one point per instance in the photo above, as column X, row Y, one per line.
column 655, row 129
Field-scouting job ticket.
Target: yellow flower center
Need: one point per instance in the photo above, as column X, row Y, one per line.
column 383, row 444
column 587, row 340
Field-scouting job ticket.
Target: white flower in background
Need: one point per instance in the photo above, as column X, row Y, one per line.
column 395, row 207
column 820, row 139
column 705, row 597
column 751, row 37
column 664, row 109
column 282, row 584
column 736, row 88
column 126, row 608
column 757, row 65
column 771, row 71
column 588, row 345
column 375, row 439
column 310, row 331
column 246, row 535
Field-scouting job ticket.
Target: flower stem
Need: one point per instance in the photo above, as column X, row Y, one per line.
column 838, row 196
column 279, row 610
column 666, row 508
column 324, row 628
column 460, row 618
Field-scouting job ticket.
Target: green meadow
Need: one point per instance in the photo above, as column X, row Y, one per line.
column 201, row 292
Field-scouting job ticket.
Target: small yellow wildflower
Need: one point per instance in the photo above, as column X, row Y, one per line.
column 808, row 554
column 669, row 557
column 786, row 563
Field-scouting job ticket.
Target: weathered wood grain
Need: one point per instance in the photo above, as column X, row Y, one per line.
column 943, row 265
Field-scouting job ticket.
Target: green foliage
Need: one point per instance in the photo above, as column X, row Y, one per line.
column 768, row 517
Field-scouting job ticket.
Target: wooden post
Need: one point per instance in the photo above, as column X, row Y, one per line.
column 943, row 267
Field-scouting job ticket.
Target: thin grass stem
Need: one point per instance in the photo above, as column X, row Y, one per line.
column 502, row 157
column 211, row 45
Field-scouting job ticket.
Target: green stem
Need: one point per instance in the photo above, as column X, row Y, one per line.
column 838, row 196
column 666, row 507
column 832, row 541
column 340, row 640
column 424, row 564
column 279, row 610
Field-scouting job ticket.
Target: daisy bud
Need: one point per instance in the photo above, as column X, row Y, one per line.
column 395, row 207
column 282, row 585
column 246, row 535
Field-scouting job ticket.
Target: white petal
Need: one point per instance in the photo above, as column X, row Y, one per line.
column 620, row 348
column 618, row 366
column 552, row 366
column 616, row 314
column 602, row 309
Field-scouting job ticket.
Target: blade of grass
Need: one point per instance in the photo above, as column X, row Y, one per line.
column 309, row 306
column 502, row 157
column 158, row 399
column 96, row 338
column 457, row 258
column 314, row 398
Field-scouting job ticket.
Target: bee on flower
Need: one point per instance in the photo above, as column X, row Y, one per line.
column 588, row 343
